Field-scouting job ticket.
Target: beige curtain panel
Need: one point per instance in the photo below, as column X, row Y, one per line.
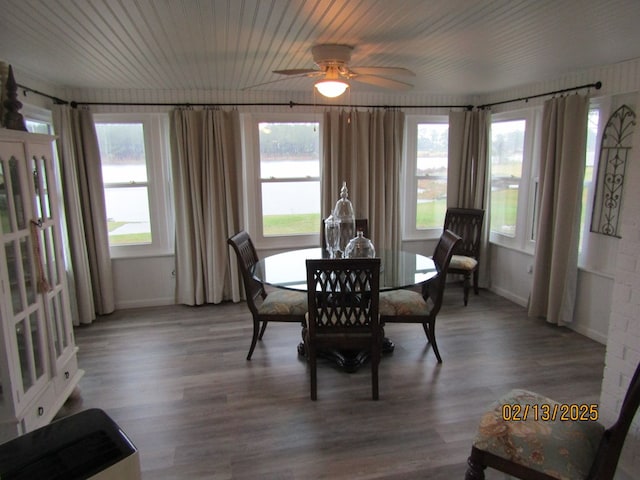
column 364, row 149
column 468, row 182
column 563, row 148
column 207, row 180
column 90, row 274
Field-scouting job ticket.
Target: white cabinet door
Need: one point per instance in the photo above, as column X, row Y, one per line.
column 38, row 365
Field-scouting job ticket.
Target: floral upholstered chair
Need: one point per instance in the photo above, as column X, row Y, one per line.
column 407, row 306
column 277, row 306
column 532, row 437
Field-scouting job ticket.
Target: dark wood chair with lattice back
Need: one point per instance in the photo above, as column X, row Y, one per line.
column 546, row 446
column 408, row 306
column 276, row 306
column 467, row 224
column 362, row 224
column 343, row 297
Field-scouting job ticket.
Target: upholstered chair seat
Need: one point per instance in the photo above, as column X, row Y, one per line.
column 402, row 302
column 284, row 302
column 531, row 437
column 559, row 448
column 462, row 262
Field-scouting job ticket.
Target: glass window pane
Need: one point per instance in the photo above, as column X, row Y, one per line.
column 28, row 270
column 13, row 274
column 128, row 215
column 38, row 358
column 507, row 151
column 24, row 353
column 290, row 208
column 124, row 173
column 18, row 205
column 122, row 152
column 592, row 134
column 289, row 150
column 5, row 219
column 431, row 173
column 35, row 126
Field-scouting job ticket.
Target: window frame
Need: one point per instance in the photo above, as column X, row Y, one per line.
column 410, row 231
column 524, row 238
column 253, row 181
column 155, row 130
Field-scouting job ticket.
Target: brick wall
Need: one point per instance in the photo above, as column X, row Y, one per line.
column 623, row 344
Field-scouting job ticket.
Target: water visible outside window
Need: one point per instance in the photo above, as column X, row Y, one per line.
column 431, row 174
column 290, row 178
column 124, row 173
column 507, row 151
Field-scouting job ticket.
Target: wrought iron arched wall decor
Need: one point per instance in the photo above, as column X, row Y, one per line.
column 615, row 148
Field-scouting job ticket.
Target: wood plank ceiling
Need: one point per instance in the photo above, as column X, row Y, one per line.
column 453, row 46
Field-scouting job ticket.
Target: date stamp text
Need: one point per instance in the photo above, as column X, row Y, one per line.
column 547, row 412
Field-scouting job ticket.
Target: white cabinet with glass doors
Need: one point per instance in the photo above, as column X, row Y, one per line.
column 38, row 363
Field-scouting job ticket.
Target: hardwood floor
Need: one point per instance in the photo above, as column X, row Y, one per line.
column 176, row 381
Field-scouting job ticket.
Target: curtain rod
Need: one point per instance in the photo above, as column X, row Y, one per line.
column 289, row 104
column 56, row 100
column 597, row 85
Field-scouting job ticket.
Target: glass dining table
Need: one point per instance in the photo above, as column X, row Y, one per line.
column 398, row 269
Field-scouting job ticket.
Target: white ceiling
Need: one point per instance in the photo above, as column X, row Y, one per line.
column 453, row 46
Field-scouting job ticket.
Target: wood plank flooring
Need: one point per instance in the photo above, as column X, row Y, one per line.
column 176, row 381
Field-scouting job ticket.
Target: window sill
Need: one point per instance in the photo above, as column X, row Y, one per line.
column 147, row 253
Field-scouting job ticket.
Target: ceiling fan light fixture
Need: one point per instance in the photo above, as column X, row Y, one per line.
column 331, row 88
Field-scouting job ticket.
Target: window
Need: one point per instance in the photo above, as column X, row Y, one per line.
column 589, row 174
column 134, row 169
column 37, row 126
column 288, row 175
column 507, row 153
column 426, row 178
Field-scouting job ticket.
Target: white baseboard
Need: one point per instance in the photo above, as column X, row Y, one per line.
column 523, row 302
column 146, row 302
column 589, row 333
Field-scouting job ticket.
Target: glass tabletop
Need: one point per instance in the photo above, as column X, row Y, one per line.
column 398, row 269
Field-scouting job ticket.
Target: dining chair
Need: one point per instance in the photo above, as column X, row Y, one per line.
column 362, row 224
column 343, row 296
column 276, row 306
column 549, row 440
column 467, row 223
column 409, row 306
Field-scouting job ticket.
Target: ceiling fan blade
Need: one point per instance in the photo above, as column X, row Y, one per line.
column 382, row 82
column 384, row 71
column 296, row 71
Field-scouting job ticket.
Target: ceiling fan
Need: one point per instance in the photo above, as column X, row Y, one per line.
column 334, row 71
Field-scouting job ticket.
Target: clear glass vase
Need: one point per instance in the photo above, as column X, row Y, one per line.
column 360, row 247
column 343, row 212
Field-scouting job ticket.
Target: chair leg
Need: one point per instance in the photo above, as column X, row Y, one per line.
column 476, row 289
column 264, row 327
column 314, row 372
column 475, row 471
column 254, row 338
column 375, row 363
column 429, row 330
column 466, row 286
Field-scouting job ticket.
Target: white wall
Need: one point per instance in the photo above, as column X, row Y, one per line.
column 623, row 346
column 142, row 282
